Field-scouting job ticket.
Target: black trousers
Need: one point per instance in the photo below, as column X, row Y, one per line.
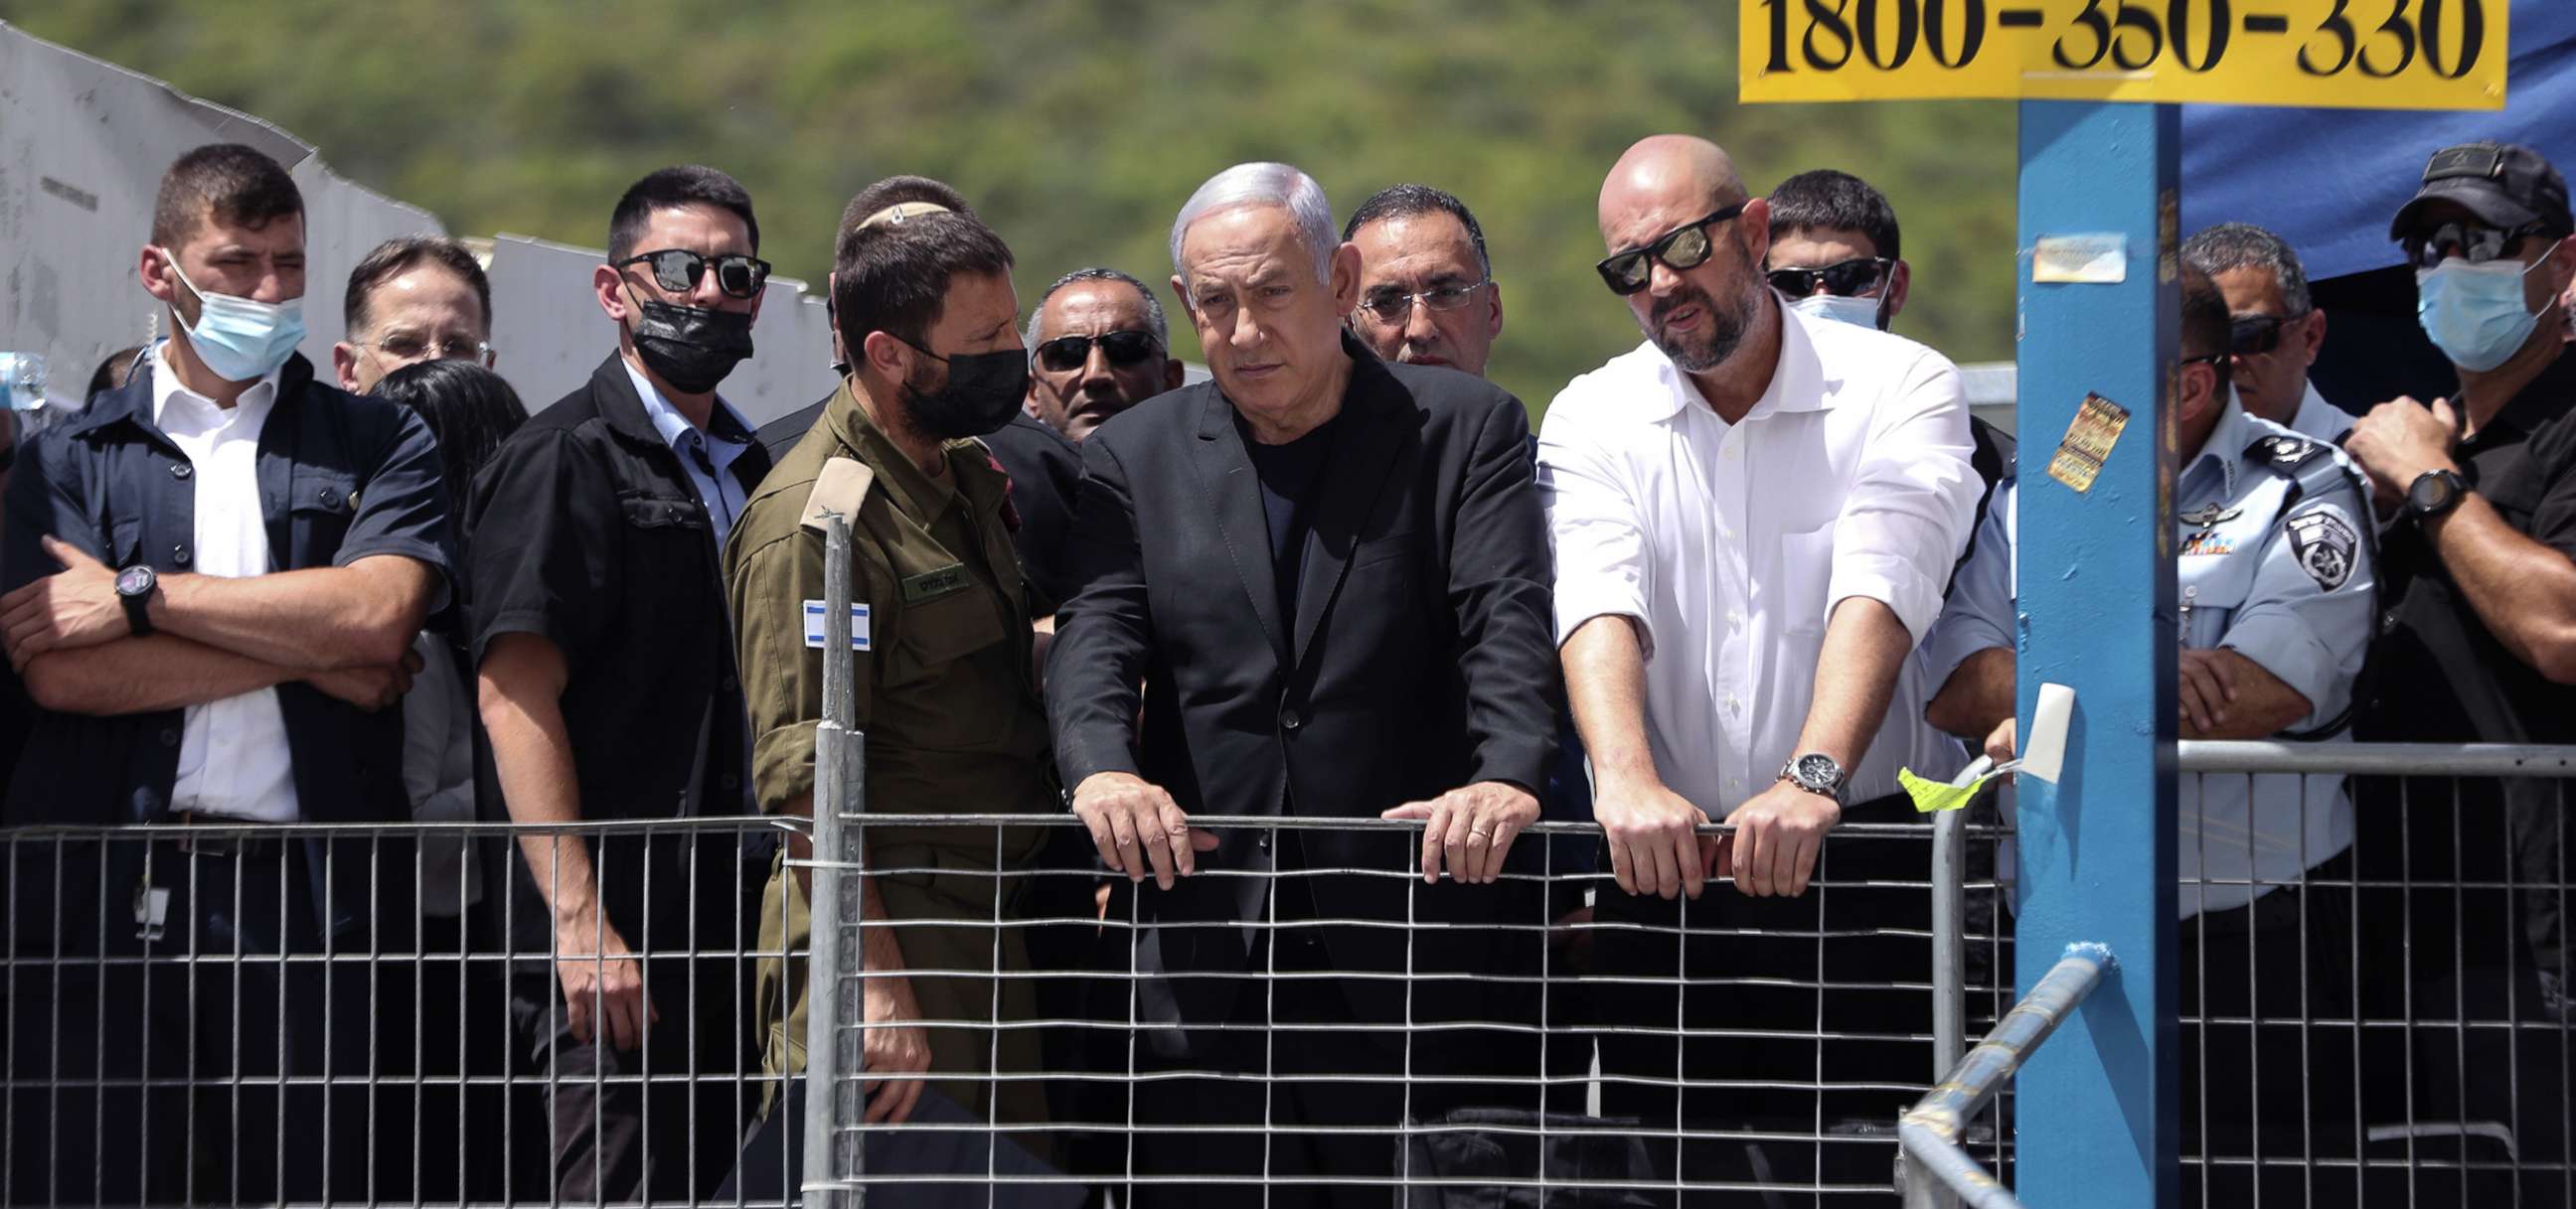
column 663, row 1121
column 2267, row 1060
column 1779, row 1017
column 191, row 1061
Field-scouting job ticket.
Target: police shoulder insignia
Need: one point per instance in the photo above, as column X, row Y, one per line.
column 841, row 487
column 2325, row 547
column 2284, row 451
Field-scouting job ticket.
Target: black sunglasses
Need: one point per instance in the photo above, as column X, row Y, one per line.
column 678, row 270
column 1847, row 279
column 2215, row 361
column 1072, row 352
column 2476, row 243
column 1683, row 248
column 2255, row 335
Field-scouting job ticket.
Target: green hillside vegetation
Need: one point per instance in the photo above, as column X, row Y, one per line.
column 1077, row 127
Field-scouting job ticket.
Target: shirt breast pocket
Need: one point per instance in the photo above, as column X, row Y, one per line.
column 319, row 509
column 1807, row 578
column 2212, row 588
column 917, row 660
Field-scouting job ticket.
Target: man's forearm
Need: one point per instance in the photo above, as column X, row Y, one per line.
column 1976, row 698
column 1605, row 685
column 2524, row 591
column 142, row 675
column 532, row 751
column 2264, row 704
column 1865, row 647
column 877, row 946
column 318, row 620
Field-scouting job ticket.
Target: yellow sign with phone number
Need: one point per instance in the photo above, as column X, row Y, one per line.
column 2375, row 54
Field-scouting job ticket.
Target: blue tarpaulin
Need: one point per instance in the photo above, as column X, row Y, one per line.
column 2328, row 180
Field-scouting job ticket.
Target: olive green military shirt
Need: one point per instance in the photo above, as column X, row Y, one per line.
column 946, row 692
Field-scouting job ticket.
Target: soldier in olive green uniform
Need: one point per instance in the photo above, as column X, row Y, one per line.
column 944, row 677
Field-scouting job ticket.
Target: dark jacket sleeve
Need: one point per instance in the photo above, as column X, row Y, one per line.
column 1501, row 590
column 1096, row 666
column 403, row 507
column 541, row 556
column 45, row 494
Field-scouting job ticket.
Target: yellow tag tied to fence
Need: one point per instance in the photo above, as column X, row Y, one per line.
column 2372, row 54
column 1930, row 795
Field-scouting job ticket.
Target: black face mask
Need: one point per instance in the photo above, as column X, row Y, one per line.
column 984, row 391
column 692, row 348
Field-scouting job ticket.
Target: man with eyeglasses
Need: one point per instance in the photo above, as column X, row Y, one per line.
column 609, row 690
column 1427, row 289
column 1748, row 548
column 414, row 298
column 2275, row 329
column 2479, row 643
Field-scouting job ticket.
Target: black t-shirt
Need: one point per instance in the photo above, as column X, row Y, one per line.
column 1288, row 475
column 2437, row 674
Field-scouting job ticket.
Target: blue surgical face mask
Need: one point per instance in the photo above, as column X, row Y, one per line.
column 241, row 340
column 1859, row 312
column 2475, row 312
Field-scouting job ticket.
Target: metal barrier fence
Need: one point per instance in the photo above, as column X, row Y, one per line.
column 2386, row 1021
column 1324, row 1021
column 268, row 1013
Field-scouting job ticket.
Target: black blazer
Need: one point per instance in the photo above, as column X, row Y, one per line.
column 1426, row 657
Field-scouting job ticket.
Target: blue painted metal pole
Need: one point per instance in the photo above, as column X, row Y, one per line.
column 2096, row 592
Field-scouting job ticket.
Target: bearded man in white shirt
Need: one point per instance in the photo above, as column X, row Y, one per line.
column 1753, row 516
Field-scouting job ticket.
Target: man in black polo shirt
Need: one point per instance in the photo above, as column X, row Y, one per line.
column 213, row 576
column 609, row 691
column 2478, row 582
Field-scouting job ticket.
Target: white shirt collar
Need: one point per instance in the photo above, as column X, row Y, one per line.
column 1798, row 381
column 198, row 412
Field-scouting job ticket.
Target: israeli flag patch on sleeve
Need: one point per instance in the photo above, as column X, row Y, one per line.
column 814, row 615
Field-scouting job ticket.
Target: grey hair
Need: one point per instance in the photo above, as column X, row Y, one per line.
column 1264, row 184
column 1153, row 305
column 2228, row 247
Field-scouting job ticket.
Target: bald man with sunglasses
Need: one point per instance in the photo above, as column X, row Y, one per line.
column 1748, row 550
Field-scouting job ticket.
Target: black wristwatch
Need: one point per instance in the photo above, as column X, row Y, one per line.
column 135, row 586
column 2435, row 492
column 1817, row 773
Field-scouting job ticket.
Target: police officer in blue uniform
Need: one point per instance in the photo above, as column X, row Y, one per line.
column 2275, row 600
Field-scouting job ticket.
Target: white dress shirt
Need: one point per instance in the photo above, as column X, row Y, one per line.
column 1732, row 543
column 233, row 757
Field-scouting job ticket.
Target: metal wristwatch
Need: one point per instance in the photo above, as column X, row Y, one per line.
column 134, row 588
column 1817, row 773
column 2435, row 492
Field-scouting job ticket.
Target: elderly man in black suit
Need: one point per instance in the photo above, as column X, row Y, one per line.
column 1324, row 580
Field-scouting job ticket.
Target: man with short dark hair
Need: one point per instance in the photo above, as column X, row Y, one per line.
column 1427, row 289
column 944, row 677
column 2275, row 328
column 1322, row 579
column 1836, row 250
column 609, row 690
column 214, row 574
column 414, row 298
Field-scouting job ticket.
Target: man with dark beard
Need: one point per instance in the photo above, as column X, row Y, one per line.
column 1749, row 546
column 941, row 660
